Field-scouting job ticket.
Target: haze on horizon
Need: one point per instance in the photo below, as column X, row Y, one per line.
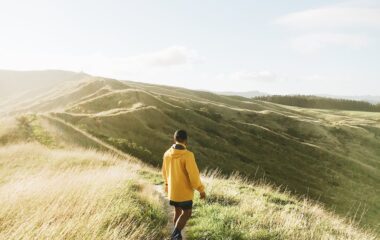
column 313, row 47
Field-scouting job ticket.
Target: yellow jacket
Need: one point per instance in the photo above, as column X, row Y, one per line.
column 181, row 174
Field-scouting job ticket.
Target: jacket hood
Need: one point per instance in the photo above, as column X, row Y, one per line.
column 177, row 152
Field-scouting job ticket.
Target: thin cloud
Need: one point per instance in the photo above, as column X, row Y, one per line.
column 311, row 43
column 332, row 26
column 332, row 17
column 175, row 55
column 265, row 76
column 167, row 59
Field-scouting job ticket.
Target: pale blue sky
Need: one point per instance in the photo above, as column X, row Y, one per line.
column 308, row 47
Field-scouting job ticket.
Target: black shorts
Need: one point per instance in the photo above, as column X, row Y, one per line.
column 184, row 205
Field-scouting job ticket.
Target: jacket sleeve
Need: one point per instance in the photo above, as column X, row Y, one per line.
column 192, row 170
column 164, row 174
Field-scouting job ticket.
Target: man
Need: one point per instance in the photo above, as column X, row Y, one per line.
column 181, row 176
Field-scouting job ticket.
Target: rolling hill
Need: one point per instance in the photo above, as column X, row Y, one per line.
column 51, row 188
column 330, row 156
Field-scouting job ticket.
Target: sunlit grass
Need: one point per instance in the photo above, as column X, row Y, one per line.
column 237, row 209
column 74, row 194
column 85, row 194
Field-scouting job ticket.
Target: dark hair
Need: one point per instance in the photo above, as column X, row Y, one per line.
column 180, row 135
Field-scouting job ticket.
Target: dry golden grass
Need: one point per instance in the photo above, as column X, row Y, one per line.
column 84, row 194
column 74, row 194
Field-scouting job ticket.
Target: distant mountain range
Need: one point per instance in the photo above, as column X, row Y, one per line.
column 368, row 98
column 250, row 94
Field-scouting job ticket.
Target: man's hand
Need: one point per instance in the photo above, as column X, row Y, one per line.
column 166, row 188
column 203, row 195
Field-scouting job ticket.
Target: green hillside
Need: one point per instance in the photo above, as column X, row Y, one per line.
column 329, row 156
column 57, row 190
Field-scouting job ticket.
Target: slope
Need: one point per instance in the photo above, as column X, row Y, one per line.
column 56, row 191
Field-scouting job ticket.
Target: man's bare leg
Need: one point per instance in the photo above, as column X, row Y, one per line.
column 177, row 214
column 182, row 220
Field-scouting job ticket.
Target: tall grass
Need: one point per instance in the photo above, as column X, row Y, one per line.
column 84, row 194
column 74, row 194
column 237, row 209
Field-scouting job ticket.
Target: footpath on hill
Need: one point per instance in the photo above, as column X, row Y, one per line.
column 157, row 187
column 169, row 210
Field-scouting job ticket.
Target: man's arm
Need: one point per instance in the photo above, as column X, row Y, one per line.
column 164, row 174
column 195, row 179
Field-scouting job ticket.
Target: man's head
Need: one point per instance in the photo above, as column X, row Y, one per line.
column 180, row 136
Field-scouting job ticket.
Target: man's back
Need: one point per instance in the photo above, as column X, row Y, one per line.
column 181, row 173
column 181, row 176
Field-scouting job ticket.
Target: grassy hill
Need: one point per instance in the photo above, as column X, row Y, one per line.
column 330, row 156
column 75, row 193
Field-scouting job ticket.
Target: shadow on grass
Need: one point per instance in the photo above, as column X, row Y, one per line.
column 278, row 199
column 223, row 200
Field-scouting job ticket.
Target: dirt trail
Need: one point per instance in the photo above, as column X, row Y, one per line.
column 169, row 210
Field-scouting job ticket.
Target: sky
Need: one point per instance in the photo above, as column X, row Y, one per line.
column 277, row 47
